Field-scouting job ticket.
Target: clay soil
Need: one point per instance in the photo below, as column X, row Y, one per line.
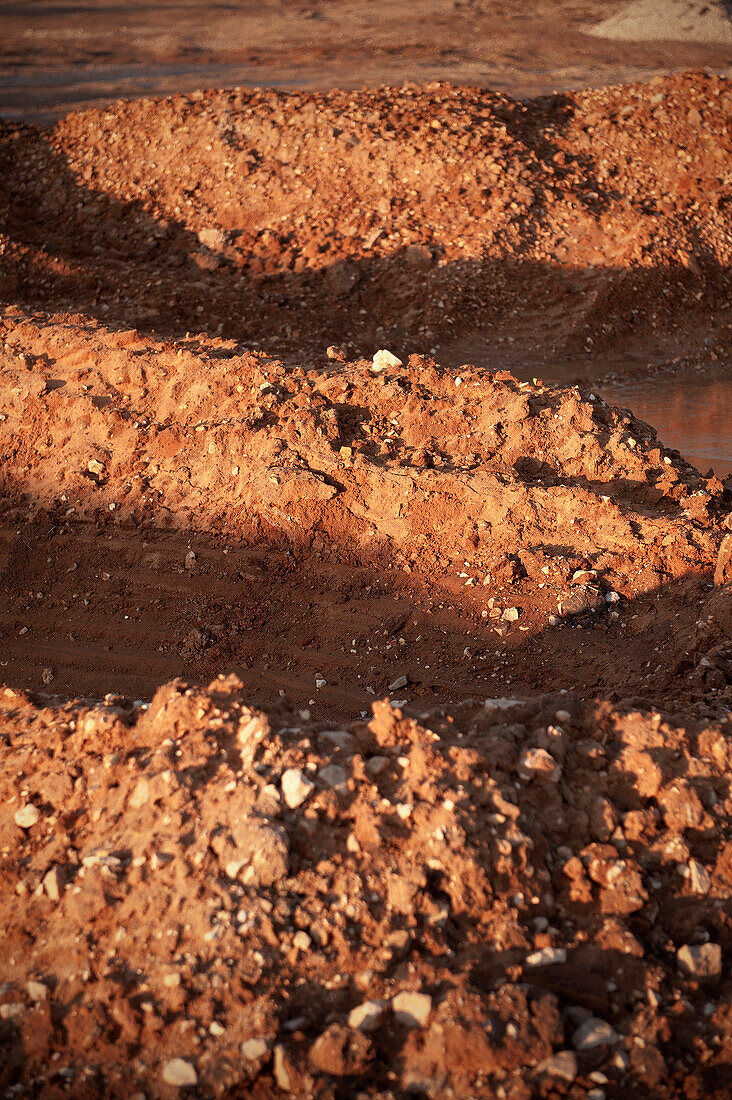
column 366, row 725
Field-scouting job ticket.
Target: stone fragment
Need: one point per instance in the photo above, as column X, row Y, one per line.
column 295, row 787
column 385, row 359
column 511, row 614
column 699, row 879
column 400, row 682
column 332, row 775
column 11, row 1011
column 562, row 1065
column 53, row 884
column 282, row 1069
column 26, row 817
column 255, row 1050
column 535, row 762
column 702, row 962
column 367, row 1016
column 180, row 1073
column 547, row 956
column 37, row 991
column 412, row 1009
column 140, row 795
column 594, row 1033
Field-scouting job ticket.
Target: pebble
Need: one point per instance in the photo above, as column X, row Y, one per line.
column 540, row 762
column 385, row 359
column 699, row 879
column 254, row 1049
column 26, row 817
column 179, row 1072
column 37, row 991
column 295, row 787
column 412, row 1009
column 594, row 1033
column 367, row 1016
column 702, row 961
column 547, row 956
column 511, row 614
column 400, row 682
column 332, row 775
column 562, row 1065
column 11, row 1011
column 52, row 884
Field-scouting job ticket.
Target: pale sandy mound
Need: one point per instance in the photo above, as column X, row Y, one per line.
column 682, row 20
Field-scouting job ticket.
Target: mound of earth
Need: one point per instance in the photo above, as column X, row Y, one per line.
column 416, row 218
column 684, row 20
column 511, row 899
column 457, row 523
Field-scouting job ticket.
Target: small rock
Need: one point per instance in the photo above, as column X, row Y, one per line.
column 282, row 1070
column 94, row 466
column 367, row 1016
column 140, row 795
column 11, row 1011
column 37, row 991
column 699, row 879
column 412, row 1009
column 53, row 884
column 301, row 940
column 190, row 559
column 26, row 817
column 295, row 787
column 254, row 1050
column 332, row 775
column 702, row 962
column 594, row 1033
column 400, row 682
column 179, row 1072
column 539, row 762
column 562, row 1065
column 511, row 614
column 385, row 359
column 47, row 676
column 547, row 956
column 334, row 351
column 376, row 764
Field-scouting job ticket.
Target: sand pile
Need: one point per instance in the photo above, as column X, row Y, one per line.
column 683, row 20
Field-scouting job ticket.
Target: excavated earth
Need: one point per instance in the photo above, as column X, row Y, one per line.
column 453, row 815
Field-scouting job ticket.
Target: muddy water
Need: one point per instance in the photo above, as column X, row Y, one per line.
column 693, row 414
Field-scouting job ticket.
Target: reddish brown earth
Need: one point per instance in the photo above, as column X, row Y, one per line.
column 486, row 620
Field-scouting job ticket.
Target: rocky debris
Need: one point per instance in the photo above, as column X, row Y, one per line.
column 320, row 942
column 723, row 567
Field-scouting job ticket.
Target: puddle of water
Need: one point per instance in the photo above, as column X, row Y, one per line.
column 691, row 414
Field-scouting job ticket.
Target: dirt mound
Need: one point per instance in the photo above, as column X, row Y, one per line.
column 411, row 218
column 515, row 896
column 685, row 20
column 454, row 514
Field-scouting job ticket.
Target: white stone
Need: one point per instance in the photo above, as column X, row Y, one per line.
column 594, row 1033
column 295, row 787
column 11, row 1011
column 179, row 1072
column 367, row 1016
column 547, row 956
column 540, row 762
column 26, row 817
column 254, row 1049
column 412, row 1009
column 385, row 359
column 37, row 991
